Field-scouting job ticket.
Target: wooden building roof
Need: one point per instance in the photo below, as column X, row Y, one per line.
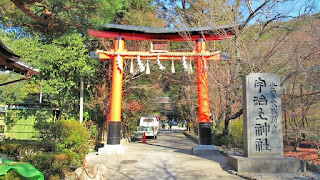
column 10, row 61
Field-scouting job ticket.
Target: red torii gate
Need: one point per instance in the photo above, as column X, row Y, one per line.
column 200, row 35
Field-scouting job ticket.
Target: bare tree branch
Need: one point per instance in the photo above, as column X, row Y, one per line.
column 292, row 74
column 253, row 13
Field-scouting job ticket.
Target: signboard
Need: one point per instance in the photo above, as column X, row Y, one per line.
column 262, row 116
column 159, row 46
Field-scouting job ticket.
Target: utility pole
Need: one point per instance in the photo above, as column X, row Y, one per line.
column 81, row 100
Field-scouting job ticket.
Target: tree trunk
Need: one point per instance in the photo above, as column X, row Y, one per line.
column 227, row 122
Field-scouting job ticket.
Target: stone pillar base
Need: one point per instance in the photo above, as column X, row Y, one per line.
column 112, row 149
column 266, row 165
column 204, row 150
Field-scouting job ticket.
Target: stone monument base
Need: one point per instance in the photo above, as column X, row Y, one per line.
column 112, row 149
column 266, row 165
column 204, row 150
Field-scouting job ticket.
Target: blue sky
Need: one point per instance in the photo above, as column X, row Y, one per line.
column 290, row 8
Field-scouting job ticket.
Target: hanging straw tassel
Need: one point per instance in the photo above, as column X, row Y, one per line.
column 131, row 66
column 148, row 67
column 172, row 67
column 190, row 70
column 185, row 64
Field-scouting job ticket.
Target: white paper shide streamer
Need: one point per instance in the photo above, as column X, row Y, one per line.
column 140, row 64
column 118, row 63
column 204, row 64
column 161, row 67
column 185, row 64
column 148, row 67
column 131, row 66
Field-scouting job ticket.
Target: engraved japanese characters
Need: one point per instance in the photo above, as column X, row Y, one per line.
column 262, row 116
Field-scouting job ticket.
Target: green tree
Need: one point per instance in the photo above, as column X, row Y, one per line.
column 28, row 48
column 12, row 93
column 139, row 13
column 61, row 63
column 53, row 17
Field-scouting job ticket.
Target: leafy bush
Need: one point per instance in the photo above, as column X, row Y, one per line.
column 68, row 136
column 61, row 145
column 230, row 141
column 18, row 148
column 12, row 175
column 53, row 164
column 22, row 150
column 237, row 131
column 219, row 140
column 92, row 129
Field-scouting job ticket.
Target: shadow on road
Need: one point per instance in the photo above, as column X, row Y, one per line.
column 179, row 143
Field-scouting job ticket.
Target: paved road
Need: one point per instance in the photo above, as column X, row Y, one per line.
column 168, row 157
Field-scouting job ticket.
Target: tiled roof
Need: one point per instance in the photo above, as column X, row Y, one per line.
column 10, row 61
column 153, row 30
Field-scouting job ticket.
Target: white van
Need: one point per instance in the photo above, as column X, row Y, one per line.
column 150, row 125
column 151, row 121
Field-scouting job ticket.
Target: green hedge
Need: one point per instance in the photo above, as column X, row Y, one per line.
column 12, row 175
column 60, row 145
column 19, row 148
column 52, row 164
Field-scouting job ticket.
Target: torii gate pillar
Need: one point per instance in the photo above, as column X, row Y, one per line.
column 205, row 146
column 203, row 96
column 114, row 121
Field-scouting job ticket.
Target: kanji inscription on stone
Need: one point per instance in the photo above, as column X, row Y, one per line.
column 263, row 136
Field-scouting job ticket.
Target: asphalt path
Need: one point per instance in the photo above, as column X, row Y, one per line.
column 168, row 157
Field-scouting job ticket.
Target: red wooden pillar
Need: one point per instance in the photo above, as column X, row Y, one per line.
column 203, row 96
column 114, row 125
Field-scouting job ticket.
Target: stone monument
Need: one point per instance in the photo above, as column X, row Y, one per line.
column 262, row 128
column 262, row 116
